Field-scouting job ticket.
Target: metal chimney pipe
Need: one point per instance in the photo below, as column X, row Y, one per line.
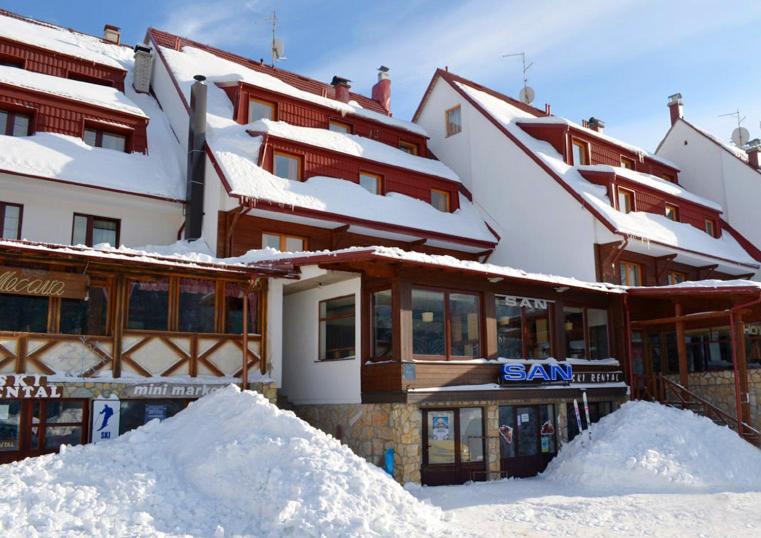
column 196, row 172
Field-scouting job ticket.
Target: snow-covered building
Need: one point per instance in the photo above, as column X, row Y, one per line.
column 719, row 171
column 569, row 199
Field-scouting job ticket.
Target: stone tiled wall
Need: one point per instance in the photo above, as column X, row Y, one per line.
column 718, row 387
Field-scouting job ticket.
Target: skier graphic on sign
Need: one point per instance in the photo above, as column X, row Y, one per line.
column 107, row 413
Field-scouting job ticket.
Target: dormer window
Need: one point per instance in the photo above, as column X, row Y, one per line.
column 676, row 277
column 11, row 61
column 453, row 120
column 287, row 166
column 440, row 200
column 579, row 152
column 339, row 127
column 260, row 110
column 15, row 123
column 710, row 227
column 627, row 163
column 100, row 138
column 625, row 200
column 408, row 147
column 672, row 212
column 372, row 183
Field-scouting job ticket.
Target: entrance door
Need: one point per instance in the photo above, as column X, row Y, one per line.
column 527, row 439
column 453, row 446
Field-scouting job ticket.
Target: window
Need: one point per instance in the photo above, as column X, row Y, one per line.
column 234, row 310
column 371, row 182
column 10, row 220
column 100, row 138
column 287, row 166
column 672, row 212
column 12, row 61
column 283, row 242
column 337, row 335
column 668, row 177
column 339, row 126
column 453, row 120
column 523, row 331
column 15, row 123
column 197, row 305
column 471, row 434
column 148, row 305
column 625, row 200
column 260, row 110
column 710, row 227
column 586, row 333
column 526, row 431
column 89, row 230
column 23, row 313
column 676, row 277
column 630, row 273
column 440, row 200
column 9, row 433
column 597, row 410
column 445, row 324
column 88, row 316
column 73, row 75
column 382, row 332
column 135, row 413
column 626, row 162
column 579, row 152
column 408, row 147
column 56, row 423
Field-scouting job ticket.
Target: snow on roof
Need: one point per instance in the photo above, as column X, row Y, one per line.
column 191, row 61
column 84, row 92
column 734, row 150
column 706, row 284
column 357, row 146
column 63, row 40
column 637, row 225
column 557, row 120
column 653, row 182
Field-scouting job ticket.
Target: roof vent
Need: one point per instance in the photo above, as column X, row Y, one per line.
column 112, row 34
column 596, row 124
column 341, row 86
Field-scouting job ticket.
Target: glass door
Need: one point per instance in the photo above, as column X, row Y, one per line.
column 527, row 438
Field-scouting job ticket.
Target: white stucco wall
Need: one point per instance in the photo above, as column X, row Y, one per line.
column 307, row 380
column 49, row 209
column 275, row 330
column 543, row 228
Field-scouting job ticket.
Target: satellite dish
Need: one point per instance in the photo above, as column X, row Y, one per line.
column 740, row 136
column 526, row 95
column 278, row 49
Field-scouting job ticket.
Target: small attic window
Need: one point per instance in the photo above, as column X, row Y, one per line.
column 453, row 118
column 627, row 163
column 15, row 123
column 258, row 109
column 408, row 147
column 440, row 200
column 579, row 152
column 12, row 61
column 101, row 138
column 339, row 126
column 710, row 227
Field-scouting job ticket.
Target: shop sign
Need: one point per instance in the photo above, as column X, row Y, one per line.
column 16, row 281
column 171, row 390
column 27, row 386
column 753, row 329
column 536, row 372
column 526, row 302
column 105, row 420
column 615, row 376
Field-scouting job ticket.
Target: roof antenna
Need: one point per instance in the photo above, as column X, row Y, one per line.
column 278, row 46
column 740, row 135
column 526, row 94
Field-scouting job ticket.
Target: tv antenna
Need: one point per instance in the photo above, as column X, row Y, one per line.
column 527, row 92
column 278, row 46
column 740, row 135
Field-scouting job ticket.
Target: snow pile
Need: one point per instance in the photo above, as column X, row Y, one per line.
column 231, row 464
column 648, row 447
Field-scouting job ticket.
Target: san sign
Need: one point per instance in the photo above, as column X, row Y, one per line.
column 518, row 372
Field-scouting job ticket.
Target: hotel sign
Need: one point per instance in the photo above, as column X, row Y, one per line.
column 18, row 281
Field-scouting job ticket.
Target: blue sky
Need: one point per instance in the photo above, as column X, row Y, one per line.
column 617, row 60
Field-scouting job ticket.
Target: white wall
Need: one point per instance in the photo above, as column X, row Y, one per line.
column 543, row 227
column 49, row 209
column 307, row 380
column 274, row 330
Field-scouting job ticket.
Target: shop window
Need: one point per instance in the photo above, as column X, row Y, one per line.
column 234, row 310
column 453, row 120
column 575, row 339
column 372, row 183
column 523, row 331
column 527, row 431
column 148, row 305
column 382, row 331
column 135, row 413
column 465, row 325
column 14, row 123
column 630, row 273
column 471, row 435
column 676, row 277
column 283, row 242
column 10, row 220
column 579, row 152
column 337, row 334
column 339, row 127
column 22, row 313
column 708, row 349
column 87, row 316
column 627, row 163
column 197, row 305
column 90, row 230
column 408, row 147
column 287, row 166
column 672, row 212
column 428, row 323
column 430, row 309
column 10, row 424
column 597, row 410
column 440, row 200
column 625, row 200
column 260, row 110
column 753, row 344
column 56, row 423
column 710, row 227
column 586, row 333
column 597, row 328
column 101, row 138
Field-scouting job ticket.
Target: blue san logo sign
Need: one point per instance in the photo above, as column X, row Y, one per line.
column 537, row 372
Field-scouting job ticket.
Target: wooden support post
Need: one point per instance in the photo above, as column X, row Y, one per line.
column 244, row 370
column 490, row 331
column 263, row 294
column 119, row 312
column 740, row 369
column 681, row 347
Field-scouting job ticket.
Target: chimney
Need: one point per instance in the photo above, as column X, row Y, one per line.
column 196, row 172
column 382, row 89
column 596, row 124
column 112, row 34
column 754, row 148
column 141, row 77
column 676, row 108
column 341, row 86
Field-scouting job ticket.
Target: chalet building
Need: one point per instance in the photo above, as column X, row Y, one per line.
column 604, row 209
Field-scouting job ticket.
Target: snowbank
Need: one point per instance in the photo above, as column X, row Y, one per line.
column 231, row 464
column 648, row 447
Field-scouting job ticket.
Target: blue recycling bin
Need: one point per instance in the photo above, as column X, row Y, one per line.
column 390, row 461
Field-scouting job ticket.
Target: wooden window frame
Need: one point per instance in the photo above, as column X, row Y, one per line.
column 627, row 192
column 708, row 222
column 90, row 227
column 320, row 319
column 100, row 129
column 299, row 160
column 447, row 124
column 587, row 151
column 552, row 312
column 283, row 237
column 448, row 197
column 349, row 126
column 3, row 205
column 624, row 159
column 559, row 311
column 669, row 275
column 12, row 113
column 639, row 270
column 409, row 145
column 675, row 209
column 381, row 190
column 448, row 323
column 271, row 104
